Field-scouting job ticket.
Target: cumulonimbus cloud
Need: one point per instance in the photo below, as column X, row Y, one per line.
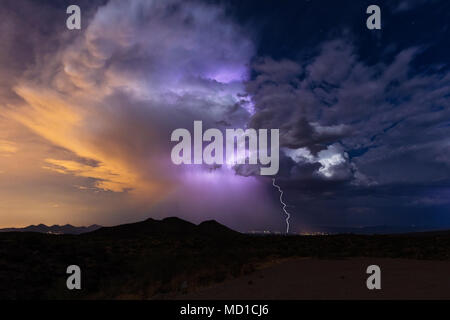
column 137, row 71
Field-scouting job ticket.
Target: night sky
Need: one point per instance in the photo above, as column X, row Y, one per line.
column 364, row 115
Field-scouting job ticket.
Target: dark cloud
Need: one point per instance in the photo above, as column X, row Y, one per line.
column 406, row 5
column 350, row 125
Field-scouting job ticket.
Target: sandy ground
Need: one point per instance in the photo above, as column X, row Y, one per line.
column 305, row 278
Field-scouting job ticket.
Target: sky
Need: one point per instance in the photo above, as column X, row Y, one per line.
column 364, row 115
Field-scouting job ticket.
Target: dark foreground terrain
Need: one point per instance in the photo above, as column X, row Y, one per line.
column 173, row 258
column 307, row 278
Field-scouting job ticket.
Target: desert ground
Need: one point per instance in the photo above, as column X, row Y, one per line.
column 309, row 278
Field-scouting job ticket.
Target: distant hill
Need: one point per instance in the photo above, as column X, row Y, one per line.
column 54, row 229
column 169, row 226
column 177, row 226
column 172, row 226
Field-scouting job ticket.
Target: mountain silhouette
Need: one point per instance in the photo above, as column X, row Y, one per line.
column 54, row 229
column 212, row 227
column 171, row 226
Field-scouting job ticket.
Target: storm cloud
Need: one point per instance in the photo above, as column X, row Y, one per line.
column 86, row 115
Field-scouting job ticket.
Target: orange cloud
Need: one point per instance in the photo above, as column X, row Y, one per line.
column 66, row 124
column 7, row 148
column 107, row 179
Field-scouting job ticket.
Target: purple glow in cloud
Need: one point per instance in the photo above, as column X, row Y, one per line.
column 135, row 72
column 180, row 65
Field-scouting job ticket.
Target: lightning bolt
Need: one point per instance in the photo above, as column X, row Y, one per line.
column 288, row 215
